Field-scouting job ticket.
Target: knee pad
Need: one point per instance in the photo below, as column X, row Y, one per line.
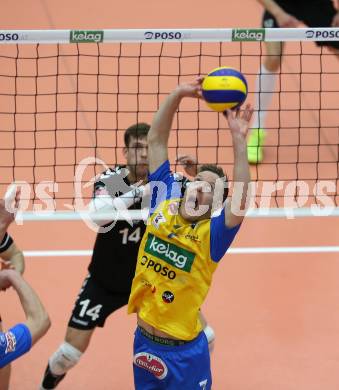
column 64, row 359
column 209, row 332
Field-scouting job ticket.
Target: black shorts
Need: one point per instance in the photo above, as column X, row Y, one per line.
column 314, row 13
column 94, row 304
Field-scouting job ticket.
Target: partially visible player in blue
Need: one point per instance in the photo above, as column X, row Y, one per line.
column 11, row 257
column 180, row 250
column 18, row 339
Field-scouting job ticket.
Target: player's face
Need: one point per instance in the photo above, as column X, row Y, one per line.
column 199, row 196
column 136, row 155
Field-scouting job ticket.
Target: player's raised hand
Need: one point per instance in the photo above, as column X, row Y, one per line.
column 141, row 189
column 286, row 20
column 9, row 205
column 192, row 89
column 239, row 121
column 335, row 21
column 189, row 163
column 6, row 264
column 5, row 278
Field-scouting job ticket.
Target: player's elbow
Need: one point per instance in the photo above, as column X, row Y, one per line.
column 20, row 263
column 45, row 323
column 38, row 325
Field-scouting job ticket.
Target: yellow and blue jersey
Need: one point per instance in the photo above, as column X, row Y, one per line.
column 176, row 261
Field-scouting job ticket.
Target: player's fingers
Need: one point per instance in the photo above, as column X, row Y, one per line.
column 247, row 112
column 7, row 265
column 228, row 114
column 198, row 92
column 251, row 111
column 200, row 79
column 17, row 195
column 335, row 21
column 294, row 22
column 17, row 198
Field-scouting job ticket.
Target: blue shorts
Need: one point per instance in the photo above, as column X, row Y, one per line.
column 162, row 367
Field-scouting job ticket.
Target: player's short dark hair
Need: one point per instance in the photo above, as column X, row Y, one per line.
column 212, row 168
column 139, row 130
column 218, row 171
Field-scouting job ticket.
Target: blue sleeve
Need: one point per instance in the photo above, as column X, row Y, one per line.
column 163, row 186
column 14, row 343
column 221, row 236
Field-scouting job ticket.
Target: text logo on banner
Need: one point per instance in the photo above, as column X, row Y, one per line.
column 9, row 36
column 163, row 35
column 86, row 36
column 314, row 34
column 248, row 34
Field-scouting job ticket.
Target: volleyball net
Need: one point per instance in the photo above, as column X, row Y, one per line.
column 67, row 97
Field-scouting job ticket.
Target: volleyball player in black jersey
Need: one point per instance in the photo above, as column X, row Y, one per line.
column 111, row 270
column 284, row 13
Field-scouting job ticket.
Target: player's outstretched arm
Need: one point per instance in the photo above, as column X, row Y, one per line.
column 238, row 123
column 162, row 122
column 335, row 21
column 283, row 18
column 37, row 319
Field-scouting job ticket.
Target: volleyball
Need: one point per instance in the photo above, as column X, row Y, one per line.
column 224, row 88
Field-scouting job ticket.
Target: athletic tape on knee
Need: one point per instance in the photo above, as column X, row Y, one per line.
column 64, row 359
column 209, row 332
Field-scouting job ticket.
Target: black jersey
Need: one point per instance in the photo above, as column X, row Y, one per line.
column 115, row 252
column 303, row 3
column 314, row 13
column 6, row 242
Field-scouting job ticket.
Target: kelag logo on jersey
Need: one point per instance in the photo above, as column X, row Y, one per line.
column 171, row 253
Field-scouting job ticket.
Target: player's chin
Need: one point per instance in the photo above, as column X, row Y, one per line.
column 142, row 170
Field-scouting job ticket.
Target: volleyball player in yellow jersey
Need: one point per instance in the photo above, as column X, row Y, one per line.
column 179, row 252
